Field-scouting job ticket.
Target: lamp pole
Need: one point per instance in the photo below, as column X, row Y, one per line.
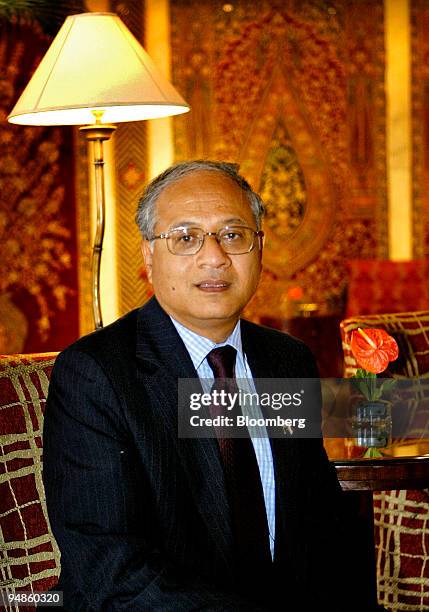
column 97, row 133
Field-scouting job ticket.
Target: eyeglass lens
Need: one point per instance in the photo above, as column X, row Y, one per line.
column 233, row 240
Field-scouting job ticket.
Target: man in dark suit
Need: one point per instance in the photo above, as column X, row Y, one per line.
column 144, row 519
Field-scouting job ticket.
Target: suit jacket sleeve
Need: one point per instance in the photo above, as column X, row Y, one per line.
column 94, row 483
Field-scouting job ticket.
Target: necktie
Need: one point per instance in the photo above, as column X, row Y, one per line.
column 243, row 482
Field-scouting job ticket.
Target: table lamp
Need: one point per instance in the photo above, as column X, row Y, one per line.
column 94, row 74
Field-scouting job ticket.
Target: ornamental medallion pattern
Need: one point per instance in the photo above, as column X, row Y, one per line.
column 293, row 92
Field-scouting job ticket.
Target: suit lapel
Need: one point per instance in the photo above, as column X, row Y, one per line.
column 164, row 359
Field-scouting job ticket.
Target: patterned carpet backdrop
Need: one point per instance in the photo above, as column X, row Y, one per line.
column 38, row 278
column 294, row 92
column 420, row 125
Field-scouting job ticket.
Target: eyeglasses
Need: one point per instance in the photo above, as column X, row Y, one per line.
column 234, row 239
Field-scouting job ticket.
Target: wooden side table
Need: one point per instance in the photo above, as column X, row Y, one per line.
column 405, row 465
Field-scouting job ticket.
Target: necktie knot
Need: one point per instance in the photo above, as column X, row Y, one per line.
column 222, row 361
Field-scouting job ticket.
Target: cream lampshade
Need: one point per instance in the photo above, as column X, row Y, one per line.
column 96, row 73
column 95, row 63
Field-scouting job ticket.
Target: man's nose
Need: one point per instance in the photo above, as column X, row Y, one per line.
column 211, row 253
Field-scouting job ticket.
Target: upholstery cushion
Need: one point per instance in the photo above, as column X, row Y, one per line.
column 401, row 517
column 29, row 556
column 401, row 521
column 379, row 286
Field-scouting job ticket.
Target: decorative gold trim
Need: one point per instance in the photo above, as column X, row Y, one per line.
column 83, row 225
column 131, row 164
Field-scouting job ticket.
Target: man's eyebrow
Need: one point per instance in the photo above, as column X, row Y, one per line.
column 190, row 223
column 236, row 220
column 178, row 224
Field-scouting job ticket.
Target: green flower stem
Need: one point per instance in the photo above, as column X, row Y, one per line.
column 372, row 453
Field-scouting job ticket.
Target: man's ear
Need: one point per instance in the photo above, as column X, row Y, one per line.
column 147, row 258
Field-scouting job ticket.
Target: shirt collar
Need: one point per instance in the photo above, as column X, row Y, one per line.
column 199, row 346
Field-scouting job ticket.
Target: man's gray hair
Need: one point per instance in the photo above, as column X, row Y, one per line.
column 146, row 210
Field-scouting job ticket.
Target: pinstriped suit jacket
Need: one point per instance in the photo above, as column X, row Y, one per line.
column 141, row 517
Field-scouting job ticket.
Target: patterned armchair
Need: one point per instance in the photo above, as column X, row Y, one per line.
column 401, row 517
column 29, row 556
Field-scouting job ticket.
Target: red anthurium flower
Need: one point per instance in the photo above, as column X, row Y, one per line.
column 373, row 349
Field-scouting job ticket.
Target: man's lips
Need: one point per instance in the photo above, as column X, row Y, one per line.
column 212, row 285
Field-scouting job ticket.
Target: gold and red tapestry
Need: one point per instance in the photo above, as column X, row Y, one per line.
column 294, row 92
column 38, row 258
column 420, row 125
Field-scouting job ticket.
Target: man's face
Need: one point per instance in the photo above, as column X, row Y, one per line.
column 207, row 291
